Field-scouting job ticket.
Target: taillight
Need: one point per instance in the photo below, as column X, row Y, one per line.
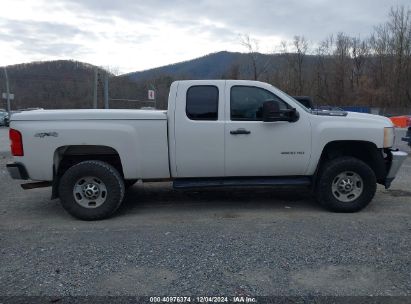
column 16, row 143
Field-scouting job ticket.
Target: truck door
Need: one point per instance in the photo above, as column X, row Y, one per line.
column 257, row 148
column 199, row 129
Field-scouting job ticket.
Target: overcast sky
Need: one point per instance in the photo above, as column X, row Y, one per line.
column 133, row 35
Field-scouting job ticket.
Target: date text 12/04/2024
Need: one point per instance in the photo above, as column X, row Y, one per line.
column 204, row 299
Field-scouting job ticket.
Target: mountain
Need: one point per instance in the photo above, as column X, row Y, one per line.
column 50, row 84
column 212, row 66
column 60, row 84
column 69, row 84
column 330, row 79
column 209, row 66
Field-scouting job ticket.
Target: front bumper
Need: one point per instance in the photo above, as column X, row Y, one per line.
column 398, row 158
column 17, row 171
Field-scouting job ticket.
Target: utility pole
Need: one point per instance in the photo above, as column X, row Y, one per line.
column 106, row 105
column 95, row 88
column 7, row 90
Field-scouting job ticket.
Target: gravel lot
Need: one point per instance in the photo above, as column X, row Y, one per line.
column 228, row 242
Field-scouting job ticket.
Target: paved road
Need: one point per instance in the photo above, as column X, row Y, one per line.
column 208, row 242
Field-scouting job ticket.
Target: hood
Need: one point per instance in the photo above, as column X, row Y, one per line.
column 370, row 117
column 355, row 116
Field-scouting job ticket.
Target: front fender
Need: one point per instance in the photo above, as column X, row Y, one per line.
column 341, row 129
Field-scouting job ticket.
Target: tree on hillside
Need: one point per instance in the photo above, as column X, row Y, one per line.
column 300, row 47
column 233, row 72
column 322, row 76
column 258, row 66
column 391, row 49
column 294, row 64
column 359, row 52
column 341, row 65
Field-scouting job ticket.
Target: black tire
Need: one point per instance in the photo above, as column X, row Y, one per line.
column 329, row 175
column 107, row 174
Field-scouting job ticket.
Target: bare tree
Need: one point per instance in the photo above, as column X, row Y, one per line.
column 322, row 77
column 342, row 64
column 292, row 69
column 301, row 47
column 258, row 66
column 360, row 52
column 391, row 47
column 399, row 27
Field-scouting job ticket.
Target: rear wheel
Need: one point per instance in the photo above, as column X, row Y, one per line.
column 346, row 184
column 91, row 190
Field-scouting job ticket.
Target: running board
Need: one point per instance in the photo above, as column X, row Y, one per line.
column 29, row 186
column 238, row 181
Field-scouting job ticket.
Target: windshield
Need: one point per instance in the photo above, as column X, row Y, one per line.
column 299, row 103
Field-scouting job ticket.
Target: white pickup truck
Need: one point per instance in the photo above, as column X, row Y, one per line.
column 214, row 133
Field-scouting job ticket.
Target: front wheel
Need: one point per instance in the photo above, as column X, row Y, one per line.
column 346, row 184
column 91, row 190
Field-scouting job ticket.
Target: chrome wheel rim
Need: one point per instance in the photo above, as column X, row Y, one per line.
column 347, row 186
column 90, row 192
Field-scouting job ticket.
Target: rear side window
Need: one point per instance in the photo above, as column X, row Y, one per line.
column 202, row 103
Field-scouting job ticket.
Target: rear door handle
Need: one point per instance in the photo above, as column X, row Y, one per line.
column 239, row 131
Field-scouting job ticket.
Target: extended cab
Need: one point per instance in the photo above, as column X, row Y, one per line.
column 214, row 133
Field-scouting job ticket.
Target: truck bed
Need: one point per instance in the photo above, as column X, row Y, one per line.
column 138, row 137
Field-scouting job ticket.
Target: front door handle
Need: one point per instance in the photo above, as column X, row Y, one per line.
column 239, row 131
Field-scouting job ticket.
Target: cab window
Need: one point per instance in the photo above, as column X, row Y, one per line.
column 246, row 102
column 202, row 103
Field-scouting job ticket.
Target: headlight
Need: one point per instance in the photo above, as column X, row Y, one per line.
column 389, row 137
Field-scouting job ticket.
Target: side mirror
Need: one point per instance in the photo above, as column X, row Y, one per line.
column 272, row 112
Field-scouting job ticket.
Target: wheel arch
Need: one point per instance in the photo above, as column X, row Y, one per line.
column 67, row 156
column 365, row 151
